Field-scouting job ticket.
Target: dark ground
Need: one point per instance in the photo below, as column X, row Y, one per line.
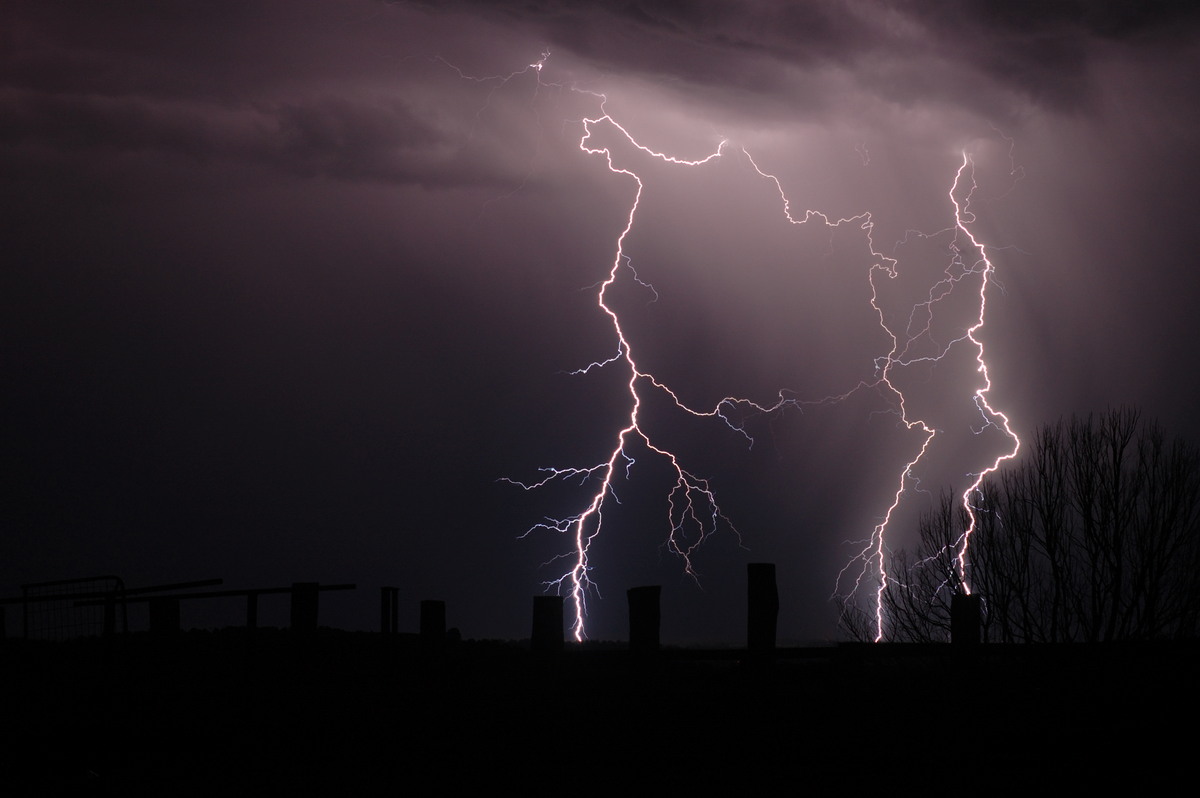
column 352, row 713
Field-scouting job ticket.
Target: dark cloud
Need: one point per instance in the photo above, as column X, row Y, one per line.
column 135, row 94
column 994, row 57
column 337, row 137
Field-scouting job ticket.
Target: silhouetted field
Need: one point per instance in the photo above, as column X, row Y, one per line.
column 346, row 713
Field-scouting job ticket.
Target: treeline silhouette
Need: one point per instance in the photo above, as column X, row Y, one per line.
column 1093, row 537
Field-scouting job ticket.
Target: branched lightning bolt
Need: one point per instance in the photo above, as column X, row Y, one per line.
column 964, row 243
column 871, row 557
column 693, row 511
column 691, row 502
column 991, row 417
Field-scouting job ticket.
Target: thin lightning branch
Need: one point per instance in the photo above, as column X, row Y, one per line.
column 863, row 153
column 871, row 557
column 693, row 511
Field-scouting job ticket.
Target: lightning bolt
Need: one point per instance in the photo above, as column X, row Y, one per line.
column 691, row 502
column 991, row 417
column 693, row 512
column 872, row 557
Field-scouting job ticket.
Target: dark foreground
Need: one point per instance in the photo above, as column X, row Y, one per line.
column 351, row 713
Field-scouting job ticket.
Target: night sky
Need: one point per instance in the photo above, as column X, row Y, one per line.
column 290, row 286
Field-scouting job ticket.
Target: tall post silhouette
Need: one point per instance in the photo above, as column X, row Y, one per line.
column 389, row 610
column 763, row 608
column 164, row 615
column 433, row 623
column 547, row 624
column 304, row 606
column 644, row 618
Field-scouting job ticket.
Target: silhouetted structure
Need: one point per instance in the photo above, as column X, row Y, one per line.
column 644, row 618
column 965, row 620
column 304, row 606
column 389, row 610
column 304, row 595
column 164, row 615
column 763, row 608
column 547, row 624
column 433, row 623
column 69, row 608
column 54, row 610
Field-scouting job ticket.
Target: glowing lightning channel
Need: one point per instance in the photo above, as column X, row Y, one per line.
column 691, row 501
column 871, row 556
column 963, row 216
column 692, row 505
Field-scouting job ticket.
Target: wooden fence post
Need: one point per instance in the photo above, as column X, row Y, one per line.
column 304, row 606
column 644, row 618
column 763, row 608
column 433, row 623
column 547, row 634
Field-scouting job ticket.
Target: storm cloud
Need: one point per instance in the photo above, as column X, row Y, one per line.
column 289, row 285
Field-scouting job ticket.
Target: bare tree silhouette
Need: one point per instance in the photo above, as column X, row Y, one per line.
column 1094, row 536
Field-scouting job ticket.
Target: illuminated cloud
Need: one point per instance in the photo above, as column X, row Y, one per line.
column 290, row 289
